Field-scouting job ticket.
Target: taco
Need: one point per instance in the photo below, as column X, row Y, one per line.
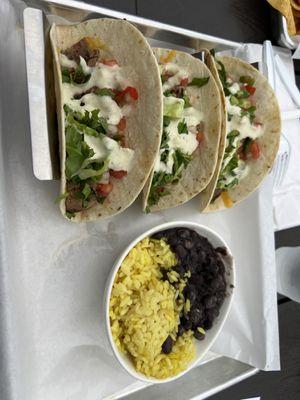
column 250, row 135
column 191, row 131
column 109, row 107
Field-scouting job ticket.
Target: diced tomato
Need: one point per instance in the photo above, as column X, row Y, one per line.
column 117, row 174
column 160, row 189
column 200, row 136
column 103, row 189
column 131, row 91
column 184, row 82
column 122, row 124
column 250, row 89
column 110, row 63
column 254, row 149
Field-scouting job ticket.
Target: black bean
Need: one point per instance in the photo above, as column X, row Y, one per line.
column 180, row 330
column 167, row 345
column 186, row 323
column 198, row 335
column 205, row 286
column 180, row 251
column 210, row 301
column 188, row 244
column 196, row 315
column 221, row 250
column 184, row 233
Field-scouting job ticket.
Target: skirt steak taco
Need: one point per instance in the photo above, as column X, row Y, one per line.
column 109, row 107
column 191, row 130
column 250, row 133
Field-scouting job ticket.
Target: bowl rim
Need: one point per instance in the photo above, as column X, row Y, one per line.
column 117, row 264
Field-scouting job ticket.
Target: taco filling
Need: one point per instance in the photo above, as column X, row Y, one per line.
column 97, row 100
column 183, row 130
column 242, row 132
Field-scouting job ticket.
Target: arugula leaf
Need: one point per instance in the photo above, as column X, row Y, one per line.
column 199, row 82
column 212, row 52
column 105, row 92
column 182, row 127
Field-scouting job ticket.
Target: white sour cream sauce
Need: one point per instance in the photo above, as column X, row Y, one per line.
column 186, row 142
column 102, row 76
column 245, row 128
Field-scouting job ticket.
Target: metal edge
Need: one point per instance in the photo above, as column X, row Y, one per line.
column 148, row 26
column 252, row 371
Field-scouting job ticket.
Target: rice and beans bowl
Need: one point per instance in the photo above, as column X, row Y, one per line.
column 166, row 294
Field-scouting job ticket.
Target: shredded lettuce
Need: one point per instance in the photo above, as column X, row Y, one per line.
column 90, row 172
column 173, row 107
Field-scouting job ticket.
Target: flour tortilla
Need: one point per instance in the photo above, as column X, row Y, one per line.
column 207, row 194
column 120, row 40
column 200, row 170
column 267, row 113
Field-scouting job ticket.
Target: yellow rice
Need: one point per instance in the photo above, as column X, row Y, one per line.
column 144, row 311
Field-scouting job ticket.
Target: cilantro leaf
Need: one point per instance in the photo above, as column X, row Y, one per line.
column 74, row 76
column 186, row 101
column 222, row 74
column 86, row 191
column 166, row 121
column 199, row 82
column 161, row 178
column 182, row 127
column 105, row 92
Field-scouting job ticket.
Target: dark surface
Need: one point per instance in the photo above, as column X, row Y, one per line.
column 244, row 21
column 239, row 20
column 275, row 385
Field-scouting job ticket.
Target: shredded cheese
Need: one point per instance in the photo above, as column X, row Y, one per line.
column 226, row 199
column 169, row 57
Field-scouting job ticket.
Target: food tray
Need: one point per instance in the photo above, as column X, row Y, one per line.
column 39, row 249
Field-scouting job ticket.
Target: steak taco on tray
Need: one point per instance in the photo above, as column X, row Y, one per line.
column 191, row 131
column 109, row 107
column 250, row 133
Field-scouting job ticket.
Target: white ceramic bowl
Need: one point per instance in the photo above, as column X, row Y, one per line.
column 203, row 346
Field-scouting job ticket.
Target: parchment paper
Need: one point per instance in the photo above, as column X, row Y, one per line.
column 53, row 272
